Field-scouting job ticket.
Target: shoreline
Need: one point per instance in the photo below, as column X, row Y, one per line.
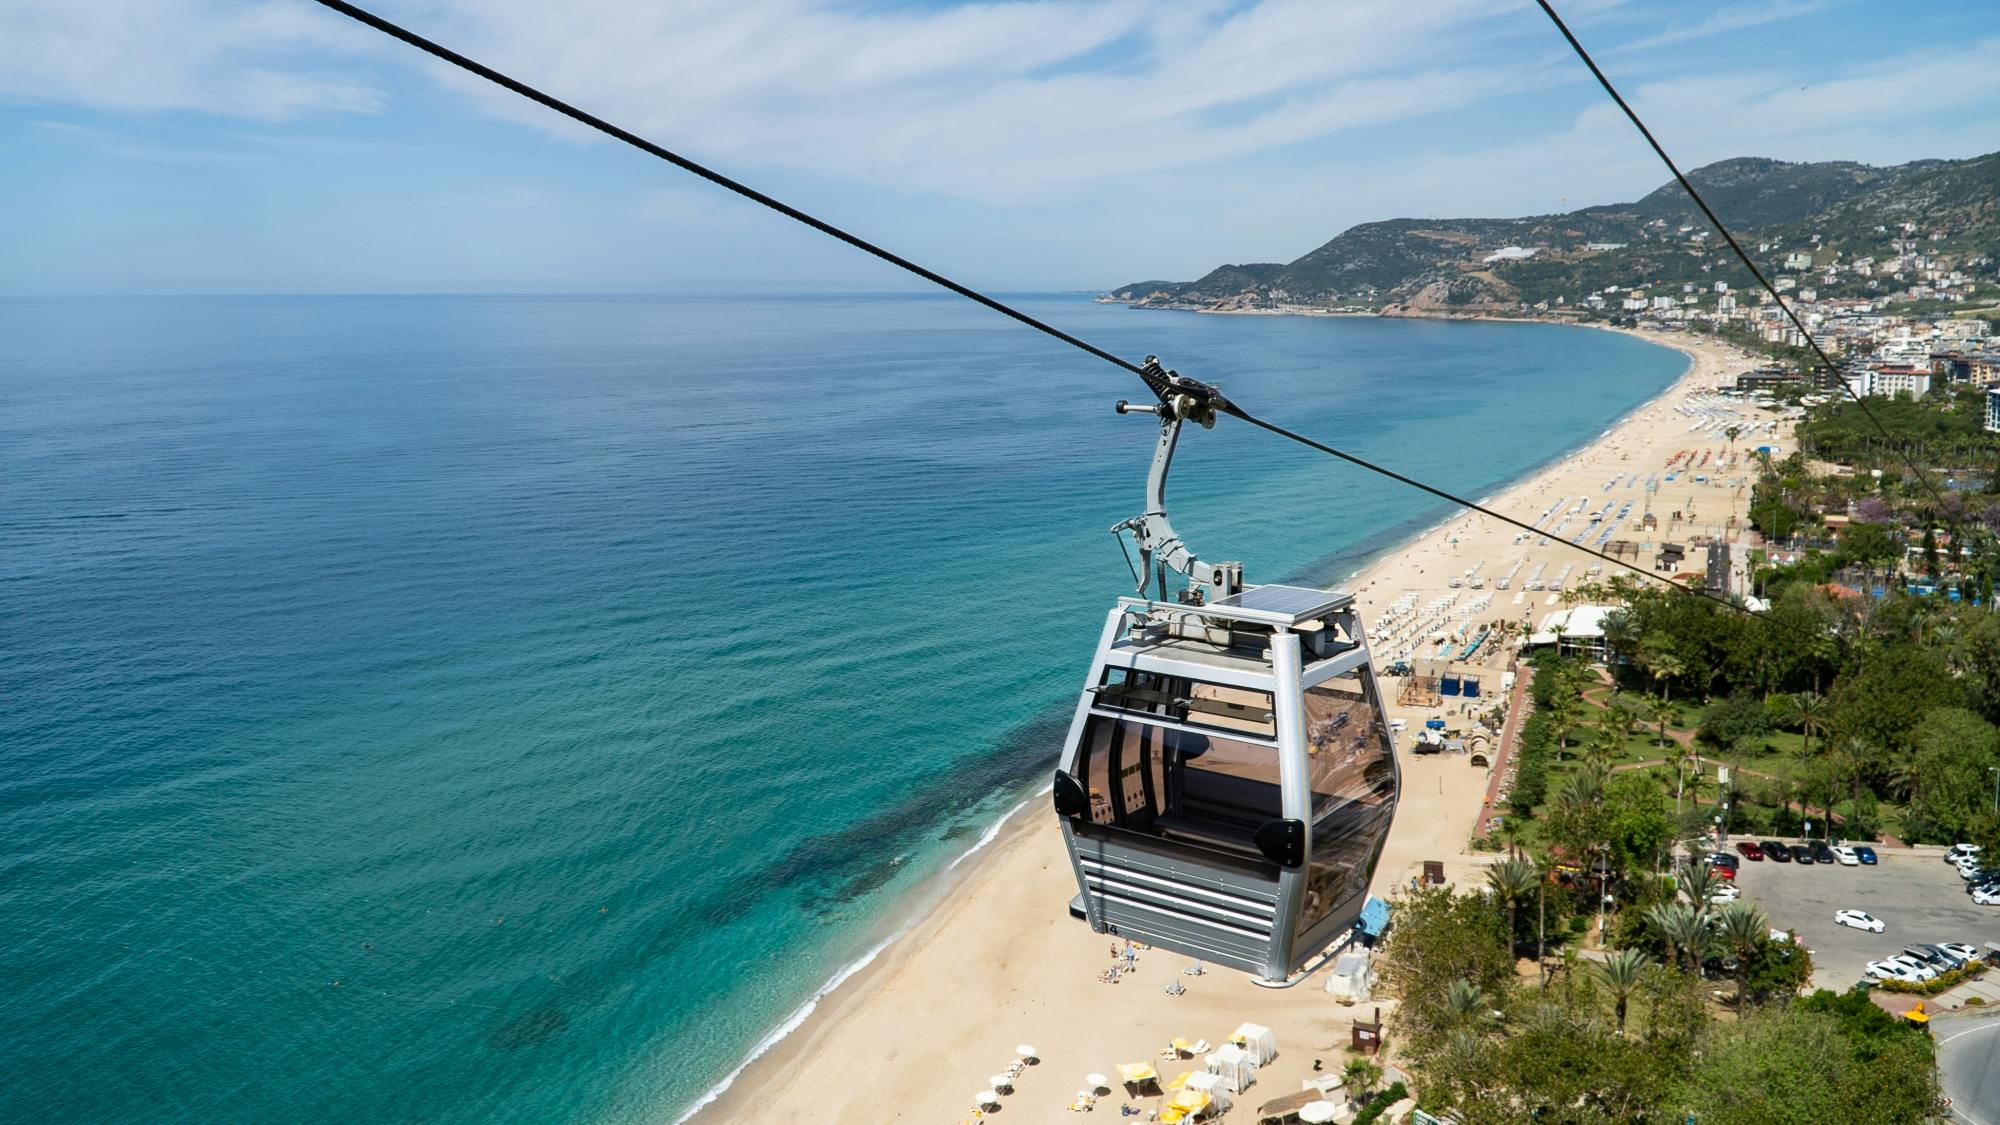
column 947, row 976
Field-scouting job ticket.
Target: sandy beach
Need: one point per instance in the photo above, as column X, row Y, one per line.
column 1000, row 963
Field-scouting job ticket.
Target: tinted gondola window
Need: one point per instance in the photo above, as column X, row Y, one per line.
column 1352, row 771
column 1187, row 701
column 1178, row 784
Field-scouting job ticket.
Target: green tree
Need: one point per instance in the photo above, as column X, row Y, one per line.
column 1440, row 938
column 1953, row 750
column 1512, row 880
column 1663, row 661
column 1620, row 974
column 1808, row 711
column 1740, row 926
column 1799, row 1065
column 1361, row 1075
column 1683, row 928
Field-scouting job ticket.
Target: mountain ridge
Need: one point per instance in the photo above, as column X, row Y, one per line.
column 1828, row 210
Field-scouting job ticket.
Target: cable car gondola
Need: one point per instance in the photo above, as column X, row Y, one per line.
column 1228, row 779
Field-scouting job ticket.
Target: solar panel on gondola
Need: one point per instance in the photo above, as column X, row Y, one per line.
column 1228, row 780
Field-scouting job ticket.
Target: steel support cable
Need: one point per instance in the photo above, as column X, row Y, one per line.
column 583, row 117
column 438, row 50
column 1716, row 221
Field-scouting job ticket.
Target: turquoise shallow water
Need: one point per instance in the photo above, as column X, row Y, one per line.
column 509, row 709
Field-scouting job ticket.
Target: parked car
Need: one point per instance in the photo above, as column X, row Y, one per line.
column 1988, row 897
column 1960, row 851
column 1722, row 859
column 1778, row 852
column 1965, row 953
column 1892, row 970
column 1859, row 919
column 1866, row 854
column 1846, row 856
column 1802, row 855
column 1750, row 851
column 1936, row 956
column 1725, row 894
column 1821, row 853
column 1911, row 964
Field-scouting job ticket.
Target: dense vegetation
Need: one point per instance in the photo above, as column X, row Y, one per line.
column 1632, row 1036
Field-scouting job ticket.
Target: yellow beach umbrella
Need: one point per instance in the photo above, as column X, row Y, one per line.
column 1189, row 1101
column 1181, row 1045
column 1181, row 1079
column 1137, row 1072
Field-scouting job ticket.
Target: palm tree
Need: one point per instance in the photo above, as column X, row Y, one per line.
column 1700, row 882
column 1361, row 1075
column 1464, row 1001
column 1685, row 757
column 1683, row 928
column 1810, row 710
column 1512, row 881
column 1657, row 656
column 1741, row 926
column 1565, row 712
column 1620, row 977
column 1657, row 711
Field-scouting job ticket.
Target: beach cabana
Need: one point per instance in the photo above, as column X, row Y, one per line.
column 1235, row 1066
column 1352, row 980
column 1211, row 1085
column 1256, row 1039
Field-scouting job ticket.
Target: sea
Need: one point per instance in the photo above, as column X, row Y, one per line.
column 519, row 708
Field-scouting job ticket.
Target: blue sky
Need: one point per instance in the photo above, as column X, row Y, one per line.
column 173, row 146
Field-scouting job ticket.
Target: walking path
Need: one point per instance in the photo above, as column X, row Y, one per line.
column 1503, row 755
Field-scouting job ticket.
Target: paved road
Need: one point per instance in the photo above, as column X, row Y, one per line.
column 1969, row 1067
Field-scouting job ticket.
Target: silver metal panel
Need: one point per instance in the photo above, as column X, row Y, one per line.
column 1235, row 672
column 1288, row 703
column 1177, row 902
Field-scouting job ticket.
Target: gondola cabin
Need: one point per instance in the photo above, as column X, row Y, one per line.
column 1228, row 778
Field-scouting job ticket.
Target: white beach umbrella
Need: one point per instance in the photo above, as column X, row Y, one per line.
column 1315, row 1113
column 1096, row 1082
column 986, row 1097
column 1025, row 1050
column 1000, row 1081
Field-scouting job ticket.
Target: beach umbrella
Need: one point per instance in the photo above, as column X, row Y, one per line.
column 1317, row 1113
column 986, row 1097
column 1025, row 1050
column 1000, row 1082
column 1096, row 1082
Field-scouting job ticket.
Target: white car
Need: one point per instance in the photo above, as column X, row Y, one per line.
column 1987, row 898
column 1891, row 970
column 1725, row 894
column 1958, row 853
column 1859, row 919
column 1911, row 964
column 1846, row 856
column 1960, row 950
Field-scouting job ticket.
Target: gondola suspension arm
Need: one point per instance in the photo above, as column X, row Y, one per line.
column 1181, row 400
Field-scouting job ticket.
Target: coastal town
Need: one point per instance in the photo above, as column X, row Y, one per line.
column 1635, row 822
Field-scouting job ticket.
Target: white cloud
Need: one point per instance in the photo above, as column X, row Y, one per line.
column 1739, row 18
column 267, row 61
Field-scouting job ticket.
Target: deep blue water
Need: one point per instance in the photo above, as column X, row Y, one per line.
column 509, row 709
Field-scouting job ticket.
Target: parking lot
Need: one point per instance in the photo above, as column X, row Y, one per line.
column 1918, row 895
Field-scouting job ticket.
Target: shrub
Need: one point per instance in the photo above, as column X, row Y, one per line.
column 1381, row 1103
